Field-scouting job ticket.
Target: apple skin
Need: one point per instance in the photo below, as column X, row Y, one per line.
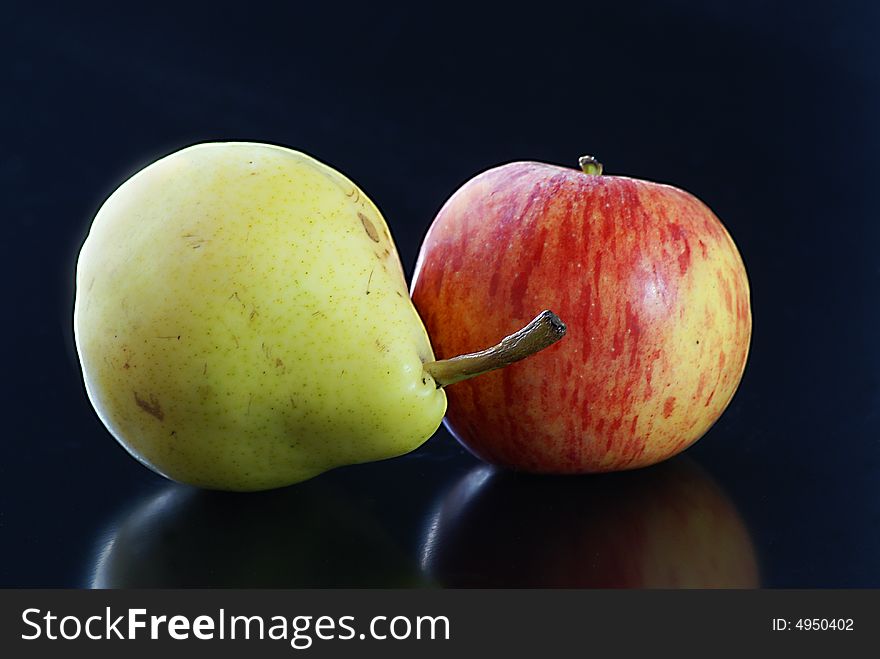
column 652, row 289
column 668, row 526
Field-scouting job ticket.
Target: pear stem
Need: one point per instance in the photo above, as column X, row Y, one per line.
column 545, row 330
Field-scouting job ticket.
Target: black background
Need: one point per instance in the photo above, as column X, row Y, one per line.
column 766, row 111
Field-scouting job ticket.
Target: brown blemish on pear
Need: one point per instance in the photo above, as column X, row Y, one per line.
column 369, row 227
column 151, row 407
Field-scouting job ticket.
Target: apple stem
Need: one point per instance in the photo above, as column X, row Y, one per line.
column 545, row 330
column 589, row 165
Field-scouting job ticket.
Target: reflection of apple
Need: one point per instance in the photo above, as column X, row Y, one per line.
column 669, row 526
column 311, row 535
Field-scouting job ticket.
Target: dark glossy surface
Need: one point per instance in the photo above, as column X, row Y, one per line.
column 767, row 113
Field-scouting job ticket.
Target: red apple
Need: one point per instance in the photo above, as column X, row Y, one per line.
column 649, row 283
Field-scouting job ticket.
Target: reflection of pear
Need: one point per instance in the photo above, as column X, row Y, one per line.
column 669, row 526
column 243, row 322
column 308, row 536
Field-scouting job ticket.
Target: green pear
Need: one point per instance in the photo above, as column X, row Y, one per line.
column 243, row 322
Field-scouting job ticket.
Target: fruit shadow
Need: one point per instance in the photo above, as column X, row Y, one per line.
column 667, row 526
column 314, row 534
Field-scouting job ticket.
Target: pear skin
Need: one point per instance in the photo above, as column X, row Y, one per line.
column 243, row 322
